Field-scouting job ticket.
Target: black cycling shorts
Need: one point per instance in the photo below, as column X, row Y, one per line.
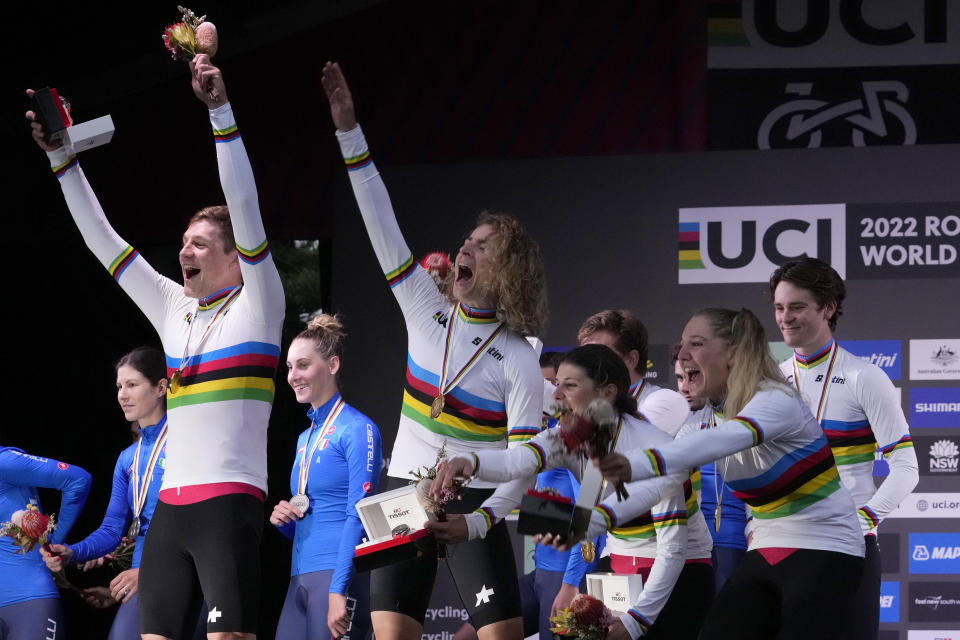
column 209, row 551
column 483, row 571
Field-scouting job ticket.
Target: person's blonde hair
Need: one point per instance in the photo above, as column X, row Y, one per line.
column 327, row 334
column 752, row 367
column 519, row 282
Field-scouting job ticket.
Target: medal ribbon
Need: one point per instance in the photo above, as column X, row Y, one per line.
column 613, row 448
column 223, row 308
column 821, row 406
column 140, row 493
column 443, row 388
column 643, row 383
column 304, row 467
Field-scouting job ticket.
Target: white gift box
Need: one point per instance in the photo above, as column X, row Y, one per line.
column 618, row 591
column 90, row 134
column 382, row 513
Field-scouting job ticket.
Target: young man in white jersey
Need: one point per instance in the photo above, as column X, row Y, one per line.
column 621, row 331
column 221, row 334
column 857, row 406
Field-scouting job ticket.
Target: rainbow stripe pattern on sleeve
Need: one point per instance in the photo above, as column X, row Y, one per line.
column 869, row 515
column 60, row 170
column 851, row 442
column 799, row 479
column 226, row 135
column 121, row 262
column 657, row 462
column 401, row 273
column 255, row 255
column 640, row 620
column 645, row 526
column 539, row 453
column 241, row 372
column 357, row 162
column 465, row 416
column 755, row 430
column 906, row 442
column 522, row 434
column 608, row 515
column 488, row 516
column 690, row 488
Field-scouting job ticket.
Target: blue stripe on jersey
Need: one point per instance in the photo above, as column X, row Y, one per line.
column 242, row 349
column 842, row 425
column 463, row 396
column 784, row 463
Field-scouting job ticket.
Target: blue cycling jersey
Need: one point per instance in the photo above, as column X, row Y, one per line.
column 120, row 508
column 26, row 577
column 733, row 519
column 344, row 468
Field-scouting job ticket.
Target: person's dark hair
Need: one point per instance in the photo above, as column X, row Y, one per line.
column 817, row 277
column 327, row 334
column 604, row 366
column 219, row 217
column 674, row 353
column 629, row 332
column 551, row 359
column 148, row 361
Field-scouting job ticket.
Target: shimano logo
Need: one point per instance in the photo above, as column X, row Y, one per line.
column 937, row 407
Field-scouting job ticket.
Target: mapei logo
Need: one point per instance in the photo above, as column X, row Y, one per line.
column 746, row 244
column 935, row 553
column 889, row 602
column 936, row 407
column 886, row 354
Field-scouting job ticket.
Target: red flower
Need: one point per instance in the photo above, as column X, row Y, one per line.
column 587, row 610
column 34, row 523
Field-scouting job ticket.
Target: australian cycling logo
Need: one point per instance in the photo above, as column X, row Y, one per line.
column 935, row 360
column 746, row 244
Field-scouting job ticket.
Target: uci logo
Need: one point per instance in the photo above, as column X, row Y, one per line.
column 746, row 244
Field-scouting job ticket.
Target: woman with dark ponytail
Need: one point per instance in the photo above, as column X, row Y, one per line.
column 668, row 542
column 805, row 549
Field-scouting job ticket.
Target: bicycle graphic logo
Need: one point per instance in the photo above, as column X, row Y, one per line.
column 879, row 117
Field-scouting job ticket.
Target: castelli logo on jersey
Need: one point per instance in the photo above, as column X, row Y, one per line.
column 367, row 487
column 63, row 465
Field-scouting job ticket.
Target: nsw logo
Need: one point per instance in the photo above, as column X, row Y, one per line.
column 944, row 456
column 746, row 244
column 937, row 407
column 935, row 553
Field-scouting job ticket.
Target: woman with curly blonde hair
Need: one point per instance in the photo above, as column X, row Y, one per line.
column 472, row 383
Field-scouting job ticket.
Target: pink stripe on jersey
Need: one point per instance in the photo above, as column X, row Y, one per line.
column 200, row 492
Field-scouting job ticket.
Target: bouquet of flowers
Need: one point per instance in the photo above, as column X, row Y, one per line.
column 423, row 479
column 438, row 264
column 585, row 619
column 193, row 35
column 591, row 433
column 28, row 528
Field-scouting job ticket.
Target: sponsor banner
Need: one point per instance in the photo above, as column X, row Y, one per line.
column 934, row 602
column 935, row 359
column 850, row 107
column 937, row 407
column 659, row 370
column 938, row 455
column 765, row 33
column 889, row 544
column 934, row 553
column 911, row 240
column 926, row 634
column 886, row 354
column 746, row 244
column 928, row 505
column 889, row 602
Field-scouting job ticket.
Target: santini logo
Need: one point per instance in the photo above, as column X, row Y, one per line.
column 746, row 244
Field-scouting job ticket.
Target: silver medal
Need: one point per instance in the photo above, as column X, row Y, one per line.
column 301, row 502
column 134, row 529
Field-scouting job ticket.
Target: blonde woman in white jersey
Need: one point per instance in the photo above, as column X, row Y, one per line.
column 806, row 551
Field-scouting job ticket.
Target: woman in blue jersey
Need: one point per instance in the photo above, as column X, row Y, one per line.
column 141, row 392
column 805, row 551
column 337, row 463
column 29, row 601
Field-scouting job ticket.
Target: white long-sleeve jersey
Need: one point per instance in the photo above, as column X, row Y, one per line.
column 218, row 417
column 860, row 414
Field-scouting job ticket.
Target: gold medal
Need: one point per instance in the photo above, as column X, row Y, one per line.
column 174, row 385
column 436, row 407
column 588, row 550
column 716, row 519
